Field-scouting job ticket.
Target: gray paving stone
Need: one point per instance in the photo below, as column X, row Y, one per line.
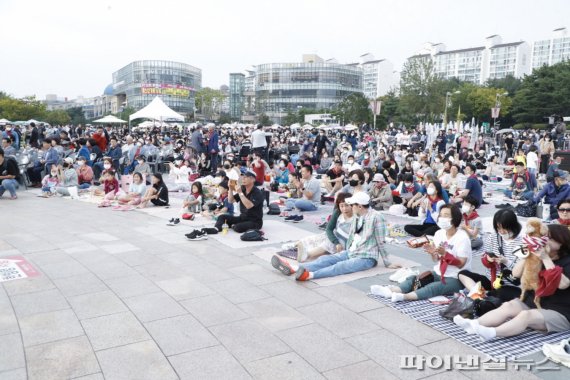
column 349, row 297
column 160, row 271
column 131, row 286
column 114, row 330
column 15, row 374
column 61, row 360
column 289, row 366
column 139, row 361
column 293, row 294
column 257, row 274
column 321, row 348
column 11, row 352
column 99, row 237
column 111, row 268
column 77, row 246
column 182, row 259
column 136, row 258
column 119, row 247
column 274, row 314
column 62, row 269
column 413, row 331
column 180, row 334
column 224, row 259
column 80, row 284
column 154, row 306
column 208, row 363
column 338, row 320
column 207, row 272
column 213, row 310
column 29, row 285
column 95, row 376
column 39, row 302
column 451, row 375
column 237, row 290
column 367, row 370
column 247, row 340
column 49, row 327
column 387, row 349
column 183, row 288
column 8, row 321
column 96, row 304
column 48, row 257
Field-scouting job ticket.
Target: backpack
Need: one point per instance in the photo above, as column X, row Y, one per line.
column 527, row 210
column 274, row 209
column 252, row 235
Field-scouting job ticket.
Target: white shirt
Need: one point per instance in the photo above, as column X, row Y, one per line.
column 258, row 139
column 180, row 175
column 350, row 167
column 459, row 246
column 532, row 160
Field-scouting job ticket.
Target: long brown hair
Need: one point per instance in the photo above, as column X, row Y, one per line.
column 341, row 198
column 561, row 234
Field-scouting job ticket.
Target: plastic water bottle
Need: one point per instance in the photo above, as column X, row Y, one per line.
column 225, row 228
column 545, row 212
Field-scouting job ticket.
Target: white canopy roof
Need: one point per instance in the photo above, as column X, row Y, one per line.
column 156, row 110
column 110, row 119
column 4, row 121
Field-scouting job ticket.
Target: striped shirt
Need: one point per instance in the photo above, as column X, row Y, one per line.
column 492, row 242
column 367, row 237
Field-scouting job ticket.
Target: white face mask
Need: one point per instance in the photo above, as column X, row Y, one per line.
column 80, row 163
column 465, row 209
column 141, row 162
column 281, row 165
column 407, row 184
column 350, row 162
column 437, row 160
column 444, row 223
column 430, row 191
column 507, row 236
column 177, row 162
column 53, row 174
column 107, row 166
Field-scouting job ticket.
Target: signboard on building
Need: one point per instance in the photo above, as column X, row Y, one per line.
column 166, row 89
column 15, row 268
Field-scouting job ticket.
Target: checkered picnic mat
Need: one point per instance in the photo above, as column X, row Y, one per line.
column 514, row 347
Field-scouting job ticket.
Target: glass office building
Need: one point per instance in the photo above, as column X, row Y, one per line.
column 287, row 87
column 139, row 82
column 237, row 98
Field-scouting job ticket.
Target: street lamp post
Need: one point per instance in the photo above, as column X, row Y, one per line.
column 447, row 104
column 373, row 103
column 497, row 106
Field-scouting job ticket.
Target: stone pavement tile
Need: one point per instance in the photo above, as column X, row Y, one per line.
column 183, row 288
column 136, row 258
column 337, row 319
column 110, row 268
column 28, row 285
column 95, row 376
column 119, row 247
column 181, row 259
column 293, row 293
column 208, row 363
column 159, row 271
column 11, row 352
column 408, row 329
column 349, row 297
column 63, row 269
column 15, row 374
column 49, row 327
column 247, row 340
column 321, row 348
column 387, row 349
column 224, row 259
column 64, row 359
column 80, row 284
column 139, row 361
column 207, row 272
column 180, row 334
column 154, row 306
column 96, row 304
column 367, row 370
column 238, row 291
column 257, row 274
column 39, row 302
column 130, row 286
column 48, row 257
column 451, row 375
column 274, row 314
column 32, row 247
column 99, row 237
column 8, row 321
column 76, row 246
column 213, row 310
column 289, row 366
column 114, row 330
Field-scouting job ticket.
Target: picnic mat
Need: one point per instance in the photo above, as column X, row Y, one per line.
column 268, row 252
column 513, row 347
column 275, row 231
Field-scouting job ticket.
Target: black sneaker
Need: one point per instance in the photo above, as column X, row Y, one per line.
column 210, row 231
column 298, row 218
column 504, row 205
column 290, row 218
column 196, row 235
column 173, row 222
column 323, row 226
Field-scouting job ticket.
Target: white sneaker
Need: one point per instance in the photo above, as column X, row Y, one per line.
column 402, row 274
column 558, row 353
column 382, row 291
column 397, row 274
column 287, row 246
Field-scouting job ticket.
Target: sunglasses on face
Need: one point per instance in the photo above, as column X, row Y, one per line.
column 564, row 210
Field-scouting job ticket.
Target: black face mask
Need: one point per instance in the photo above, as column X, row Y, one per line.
column 227, row 166
column 353, row 182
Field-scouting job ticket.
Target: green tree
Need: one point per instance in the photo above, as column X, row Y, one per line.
column 21, row 109
column 57, row 117
column 390, row 110
column 544, row 92
column 482, row 99
column 76, row 115
column 290, row 118
column 264, row 120
column 509, row 83
column 354, row 108
column 208, row 102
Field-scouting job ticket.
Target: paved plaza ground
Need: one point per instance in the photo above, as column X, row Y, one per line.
column 120, row 295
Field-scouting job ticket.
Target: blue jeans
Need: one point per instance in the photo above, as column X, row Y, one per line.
column 84, row 186
column 436, row 288
column 528, row 195
column 337, row 264
column 300, row 204
column 9, row 184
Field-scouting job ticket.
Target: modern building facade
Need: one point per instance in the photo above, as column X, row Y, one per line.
column 236, row 95
column 551, row 51
column 139, row 82
column 378, row 76
column 287, row 87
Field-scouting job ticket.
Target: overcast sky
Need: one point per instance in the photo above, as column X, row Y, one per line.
column 71, row 47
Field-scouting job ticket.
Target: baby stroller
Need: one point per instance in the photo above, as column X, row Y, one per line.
column 245, row 150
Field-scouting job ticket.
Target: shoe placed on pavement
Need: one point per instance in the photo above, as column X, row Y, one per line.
column 282, row 265
column 504, row 205
column 323, row 226
column 173, row 222
column 558, row 353
column 210, row 231
column 290, row 218
column 302, row 274
column 196, row 235
column 298, row 218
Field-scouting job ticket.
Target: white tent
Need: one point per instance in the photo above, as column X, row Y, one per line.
column 157, row 110
column 5, row 121
column 110, row 119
